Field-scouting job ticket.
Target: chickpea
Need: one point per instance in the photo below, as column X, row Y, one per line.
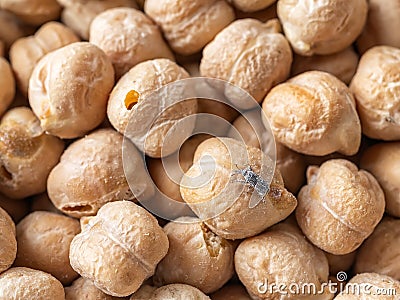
column 119, row 249
column 33, row 12
column 340, row 206
column 380, row 252
column 28, row 284
column 189, row 25
column 192, row 241
column 376, row 88
column 239, row 54
column 49, row 37
column 11, row 29
column 71, row 110
column 314, row 113
column 276, row 257
column 322, row 27
column 84, row 289
column 261, row 15
column 342, row 64
column 231, row 292
column 377, row 284
column 170, row 292
column 383, row 161
column 238, row 218
column 8, row 249
column 139, row 39
column 144, row 79
column 251, row 5
column 27, row 155
column 7, row 85
column 78, row 15
column 382, row 24
column 91, row 173
column 16, row 209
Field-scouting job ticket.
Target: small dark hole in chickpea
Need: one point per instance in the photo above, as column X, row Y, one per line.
column 80, row 208
column 4, row 173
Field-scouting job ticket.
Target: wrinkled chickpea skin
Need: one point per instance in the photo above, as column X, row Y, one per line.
column 171, row 291
column 8, row 242
column 83, row 288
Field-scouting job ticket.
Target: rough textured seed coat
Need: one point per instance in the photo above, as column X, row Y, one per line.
column 169, row 292
column 8, row 249
column 83, row 288
column 119, row 248
column 251, row 5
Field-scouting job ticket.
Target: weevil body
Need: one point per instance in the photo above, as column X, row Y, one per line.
column 254, row 180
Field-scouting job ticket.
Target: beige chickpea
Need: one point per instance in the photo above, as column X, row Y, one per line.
column 7, row 85
column 189, row 25
column 144, row 79
column 290, row 163
column 8, row 242
column 128, row 37
column 78, row 15
column 377, row 284
column 169, row 292
column 251, row 5
column 29, row 284
column 71, row 110
column 322, row 27
column 261, row 15
column 33, row 12
column 43, row 244
column 380, row 252
column 342, row 64
column 340, row 206
column 237, row 216
column 249, row 54
column 231, row 292
column 314, row 113
column 196, row 256
column 11, row 29
column 376, row 88
column 340, row 263
column 91, row 173
column 279, row 256
column 16, row 209
column 383, row 161
column 127, row 244
column 27, row 155
column 49, row 37
column 382, row 24
column 84, row 289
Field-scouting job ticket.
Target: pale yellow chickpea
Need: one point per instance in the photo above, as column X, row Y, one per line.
column 8, row 242
column 340, row 206
column 24, row 283
column 128, row 37
column 119, row 248
column 188, row 25
column 27, row 155
column 84, row 289
column 33, row 12
column 7, row 85
column 49, row 37
column 71, row 110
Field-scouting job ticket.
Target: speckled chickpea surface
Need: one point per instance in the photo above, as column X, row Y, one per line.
column 196, row 256
column 91, row 173
column 378, row 284
column 25, row 283
column 78, row 15
column 49, row 37
column 169, row 292
column 189, row 25
column 84, row 289
column 43, row 244
column 342, row 64
column 145, row 78
column 376, row 88
column 128, row 37
column 249, row 54
column 314, row 113
column 231, row 292
column 16, row 209
column 7, row 85
column 380, row 253
column 251, row 5
column 127, row 244
column 8, row 249
column 238, row 219
column 276, row 256
column 71, row 110
column 383, row 161
column 27, row 155
column 323, row 27
column 33, row 12
column 340, row 206
column 382, row 24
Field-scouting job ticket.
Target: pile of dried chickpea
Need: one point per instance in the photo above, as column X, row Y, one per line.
column 73, row 73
